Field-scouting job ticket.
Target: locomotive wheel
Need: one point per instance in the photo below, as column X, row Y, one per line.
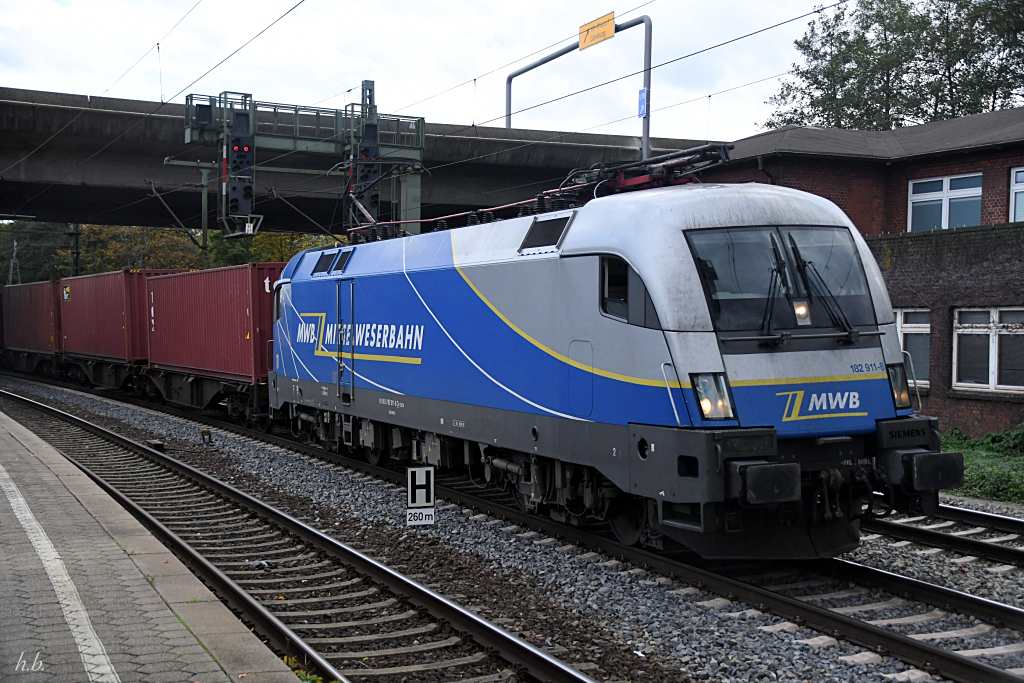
column 626, row 520
column 376, row 456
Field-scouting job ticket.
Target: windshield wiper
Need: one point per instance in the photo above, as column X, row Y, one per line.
column 709, row 277
column 778, row 278
column 811, row 277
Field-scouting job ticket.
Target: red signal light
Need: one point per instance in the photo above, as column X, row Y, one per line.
column 234, row 148
column 245, row 148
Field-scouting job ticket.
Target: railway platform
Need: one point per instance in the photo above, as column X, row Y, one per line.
column 88, row 594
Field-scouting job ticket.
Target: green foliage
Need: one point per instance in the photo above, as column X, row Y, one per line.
column 38, row 244
column 229, row 251
column 45, row 249
column 281, row 246
column 303, row 675
column 993, row 464
column 891, row 63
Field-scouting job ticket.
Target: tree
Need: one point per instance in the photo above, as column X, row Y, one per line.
column 45, row 249
column 891, row 63
column 820, row 93
column 105, row 248
column 38, row 247
column 281, row 246
column 887, row 40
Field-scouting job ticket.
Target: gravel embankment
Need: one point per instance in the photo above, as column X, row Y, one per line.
column 631, row 625
column 993, row 506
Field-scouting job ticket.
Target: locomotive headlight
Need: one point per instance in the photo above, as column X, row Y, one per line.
column 802, row 311
column 713, row 396
column 900, row 387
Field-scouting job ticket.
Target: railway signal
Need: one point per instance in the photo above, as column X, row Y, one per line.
column 240, row 186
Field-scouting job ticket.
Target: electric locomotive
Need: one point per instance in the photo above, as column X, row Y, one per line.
column 716, row 365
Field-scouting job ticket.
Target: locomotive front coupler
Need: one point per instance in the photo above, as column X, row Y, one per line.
column 911, row 465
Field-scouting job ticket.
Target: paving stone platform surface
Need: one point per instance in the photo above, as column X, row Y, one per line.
column 88, row 594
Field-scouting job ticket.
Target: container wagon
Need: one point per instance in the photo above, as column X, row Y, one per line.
column 104, row 325
column 31, row 319
column 210, row 335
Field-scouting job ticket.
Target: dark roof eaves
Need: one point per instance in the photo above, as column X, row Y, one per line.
column 805, row 153
column 880, row 158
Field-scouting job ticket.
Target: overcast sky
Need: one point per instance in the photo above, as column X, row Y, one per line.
column 413, row 49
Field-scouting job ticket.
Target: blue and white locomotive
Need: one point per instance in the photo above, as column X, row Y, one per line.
column 713, row 364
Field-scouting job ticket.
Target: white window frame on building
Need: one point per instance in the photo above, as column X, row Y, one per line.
column 994, row 330
column 944, row 195
column 1016, row 187
column 904, row 328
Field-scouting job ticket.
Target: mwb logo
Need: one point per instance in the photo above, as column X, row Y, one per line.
column 820, row 405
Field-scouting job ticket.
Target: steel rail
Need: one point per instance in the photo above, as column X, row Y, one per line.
column 928, row 657
column 266, row 623
column 1010, row 525
column 944, row 662
column 987, row 610
column 511, row 648
column 938, row 539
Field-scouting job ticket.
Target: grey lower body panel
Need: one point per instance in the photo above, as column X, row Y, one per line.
column 642, row 460
column 601, row 446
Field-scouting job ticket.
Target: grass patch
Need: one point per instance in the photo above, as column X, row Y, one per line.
column 993, row 464
column 303, row 675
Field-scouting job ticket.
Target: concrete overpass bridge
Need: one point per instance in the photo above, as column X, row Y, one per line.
column 467, row 167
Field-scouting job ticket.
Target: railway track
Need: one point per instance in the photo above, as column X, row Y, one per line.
column 953, row 634
column 971, row 533
column 341, row 612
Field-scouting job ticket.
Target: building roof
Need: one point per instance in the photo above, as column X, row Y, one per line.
column 968, row 132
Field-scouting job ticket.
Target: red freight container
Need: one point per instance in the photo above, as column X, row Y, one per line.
column 104, row 315
column 215, row 322
column 32, row 317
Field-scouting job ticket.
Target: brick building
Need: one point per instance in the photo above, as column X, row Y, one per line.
column 942, row 206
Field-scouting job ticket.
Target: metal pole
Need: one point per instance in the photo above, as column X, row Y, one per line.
column 205, row 179
column 76, row 251
column 645, row 143
column 530, row 67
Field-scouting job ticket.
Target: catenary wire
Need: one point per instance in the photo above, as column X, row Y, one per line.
column 735, row 39
column 206, row 73
column 405, row 212
column 156, row 109
column 508, row 64
column 817, row 10
column 595, row 86
column 117, row 80
column 554, row 137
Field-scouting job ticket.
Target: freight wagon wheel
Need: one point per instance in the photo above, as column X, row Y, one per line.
column 626, row 520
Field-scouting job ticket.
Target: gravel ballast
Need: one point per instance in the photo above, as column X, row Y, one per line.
column 631, row 625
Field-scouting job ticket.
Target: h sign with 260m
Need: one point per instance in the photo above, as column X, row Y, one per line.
column 419, row 494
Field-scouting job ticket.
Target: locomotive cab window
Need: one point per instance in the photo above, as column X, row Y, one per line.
column 755, row 278
column 343, row 260
column 615, row 287
column 545, row 233
column 624, row 296
column 323, row 263
column 281, row 294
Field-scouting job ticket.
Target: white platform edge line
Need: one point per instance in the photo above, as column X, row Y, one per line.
column 94, row 655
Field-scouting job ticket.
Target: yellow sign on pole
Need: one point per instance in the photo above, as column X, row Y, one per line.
column 595, row 31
